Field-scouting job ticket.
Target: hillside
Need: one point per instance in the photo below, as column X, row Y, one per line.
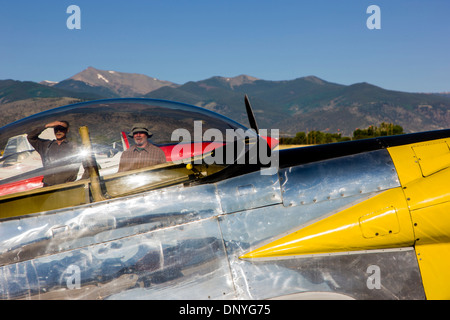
column 361, row 105
column 16, row 110
column 310, row 103
column 12, row 90
column 302, row 104
column 220, row 95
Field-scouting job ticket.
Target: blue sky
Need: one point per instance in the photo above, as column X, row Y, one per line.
column 184, row 40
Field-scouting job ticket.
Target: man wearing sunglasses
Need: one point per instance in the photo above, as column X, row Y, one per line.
column 59, row 157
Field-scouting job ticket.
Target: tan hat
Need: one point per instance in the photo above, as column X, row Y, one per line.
column 140, row 127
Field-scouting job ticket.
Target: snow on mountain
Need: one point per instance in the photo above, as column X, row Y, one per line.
column 119, row 83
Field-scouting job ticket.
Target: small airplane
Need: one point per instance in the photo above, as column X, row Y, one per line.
column 227, row 216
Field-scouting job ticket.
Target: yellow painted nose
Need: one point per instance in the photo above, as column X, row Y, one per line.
column 380, row 222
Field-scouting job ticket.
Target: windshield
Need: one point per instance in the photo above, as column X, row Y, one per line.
column 48, row 149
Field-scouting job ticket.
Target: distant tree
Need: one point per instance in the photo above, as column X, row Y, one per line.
column 313, row 137
column 300, row 138
column 319, row 137
column 385, row 129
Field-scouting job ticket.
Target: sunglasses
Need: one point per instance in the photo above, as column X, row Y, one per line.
column 60, row 128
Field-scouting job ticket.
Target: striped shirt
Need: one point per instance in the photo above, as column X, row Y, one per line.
column 136, row 158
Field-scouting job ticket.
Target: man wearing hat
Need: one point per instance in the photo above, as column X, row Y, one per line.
column 143, row 153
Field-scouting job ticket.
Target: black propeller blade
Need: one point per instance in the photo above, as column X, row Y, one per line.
column 251, row 116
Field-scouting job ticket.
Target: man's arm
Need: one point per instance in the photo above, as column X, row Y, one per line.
column 33, row 138
column 33, row 135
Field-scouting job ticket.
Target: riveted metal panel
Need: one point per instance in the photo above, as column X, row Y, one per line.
column 60, row 230
column 337, row 178
column 390, row 274
column 346, row 274
column 251, row 190
column 162, row 264
column 255, row 226
column 432, row 156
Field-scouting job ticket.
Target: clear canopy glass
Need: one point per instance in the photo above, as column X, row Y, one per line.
column 181, row 131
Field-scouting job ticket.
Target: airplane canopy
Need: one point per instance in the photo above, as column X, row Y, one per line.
column 180, row 130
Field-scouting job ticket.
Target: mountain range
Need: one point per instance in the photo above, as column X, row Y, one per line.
column 303, row 104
